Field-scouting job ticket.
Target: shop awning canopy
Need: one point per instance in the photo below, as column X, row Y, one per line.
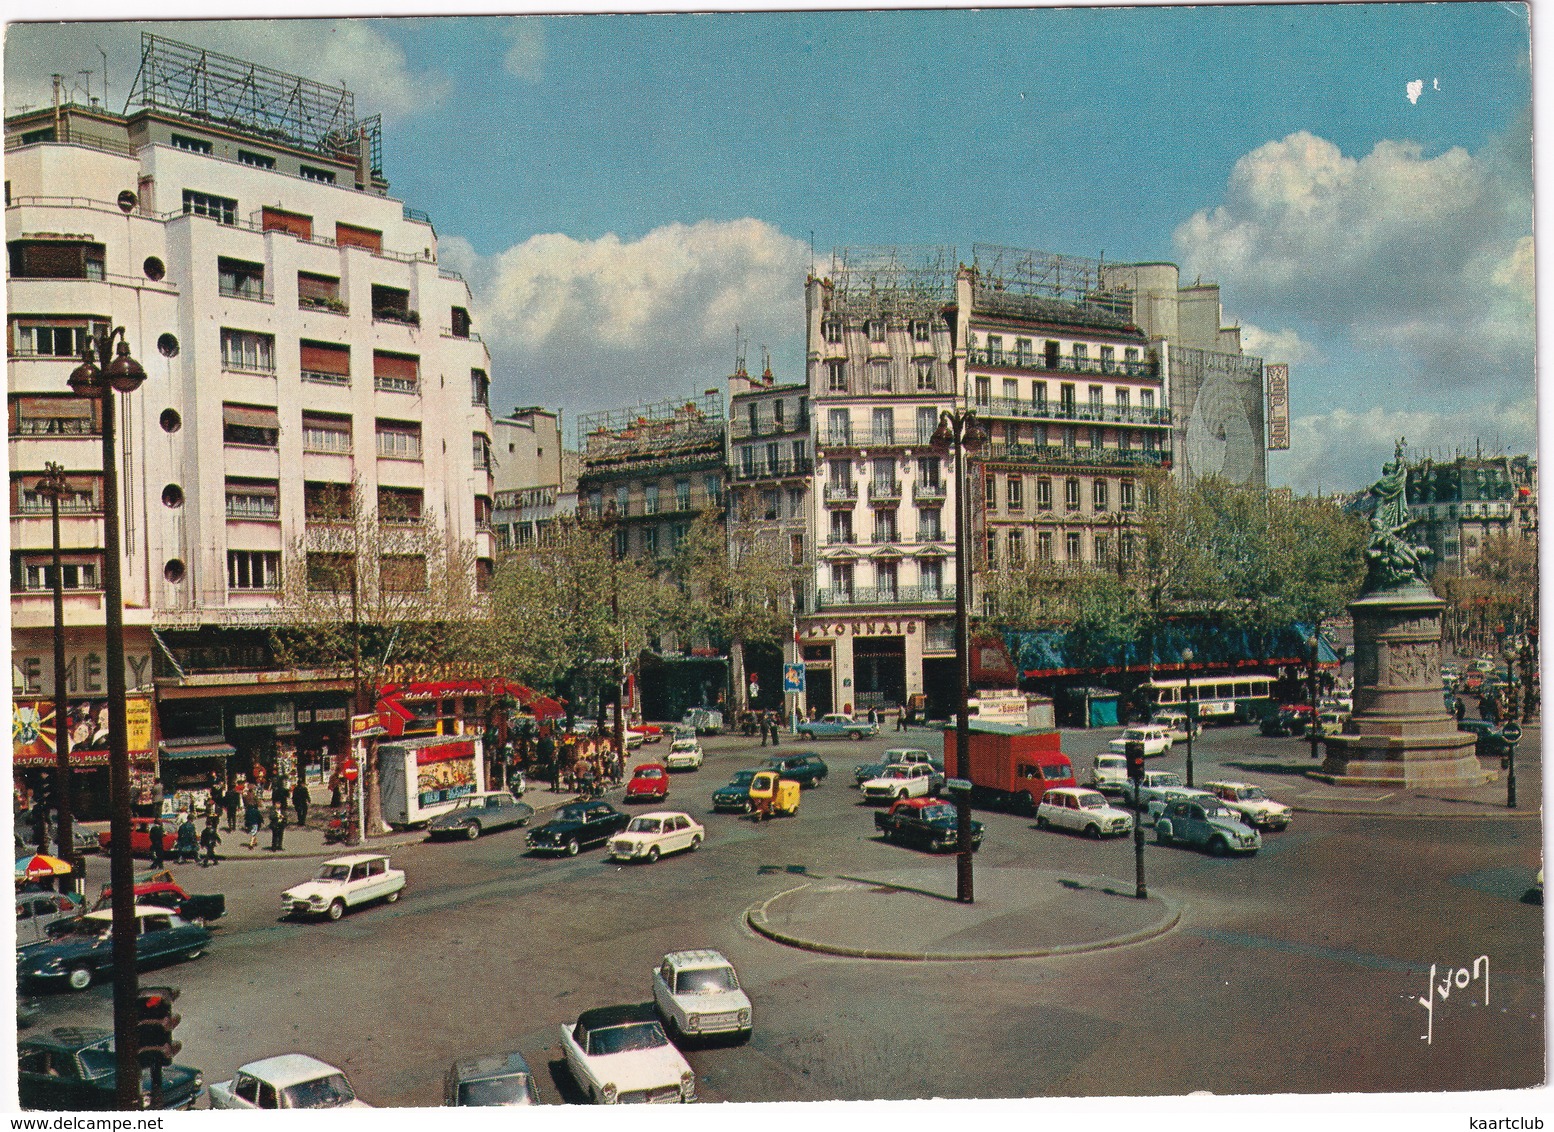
column 205, row 749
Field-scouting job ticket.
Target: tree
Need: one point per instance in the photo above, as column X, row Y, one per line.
column 365, row 588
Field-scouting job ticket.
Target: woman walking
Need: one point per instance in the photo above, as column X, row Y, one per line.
column 252, row 818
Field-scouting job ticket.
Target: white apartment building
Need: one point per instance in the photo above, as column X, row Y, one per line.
column 302, row 346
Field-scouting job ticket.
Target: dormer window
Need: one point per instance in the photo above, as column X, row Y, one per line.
column 874, row 328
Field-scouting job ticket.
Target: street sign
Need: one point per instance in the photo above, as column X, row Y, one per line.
column 1511, row 732
column 349, row 771
column 963, row 784
column 793, row 677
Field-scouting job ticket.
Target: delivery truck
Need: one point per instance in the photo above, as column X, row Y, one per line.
column 1012, row 766
column 422, row 778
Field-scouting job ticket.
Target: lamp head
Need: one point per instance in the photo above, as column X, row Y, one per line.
column 973, row 436
column 86, row 380
column 124, row 373
column 942, row 438
column 1188, row 655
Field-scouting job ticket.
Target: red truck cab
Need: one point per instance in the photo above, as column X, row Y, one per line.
column 1012, row 765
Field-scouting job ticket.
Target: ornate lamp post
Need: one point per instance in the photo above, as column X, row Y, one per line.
column 1191, row 705
column 959, row 432
column 54, row 488
column 1314, row 729
column 113, row 370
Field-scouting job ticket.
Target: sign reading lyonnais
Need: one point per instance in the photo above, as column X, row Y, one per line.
column 1278, row 381
column 882, row 627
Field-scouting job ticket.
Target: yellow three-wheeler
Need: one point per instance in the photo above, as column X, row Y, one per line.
column 771, row 795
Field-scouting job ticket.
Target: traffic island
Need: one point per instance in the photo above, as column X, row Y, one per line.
column 912, row 914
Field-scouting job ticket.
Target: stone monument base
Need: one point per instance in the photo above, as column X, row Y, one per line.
column 1426, row 761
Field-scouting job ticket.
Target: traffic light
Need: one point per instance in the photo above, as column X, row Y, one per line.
column 154, row 1025
column 1134, row 750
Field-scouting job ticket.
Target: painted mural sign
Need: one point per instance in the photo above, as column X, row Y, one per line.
column 34, row 733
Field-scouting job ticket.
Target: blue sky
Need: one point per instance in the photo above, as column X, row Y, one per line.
column 623, row 190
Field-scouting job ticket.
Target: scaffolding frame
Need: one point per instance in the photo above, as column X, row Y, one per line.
column 904, row 281
column 1020, row 281
column 206, row 86
column 661, row 426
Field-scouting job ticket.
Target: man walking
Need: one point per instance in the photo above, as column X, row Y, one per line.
column 209, row 839
column 156, row 833
column 277, row 828
column 232, row 801
column 300, row 800
column 280, row 797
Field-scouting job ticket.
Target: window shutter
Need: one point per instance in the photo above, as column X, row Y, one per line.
column 318, row 357
column 350, row 236
column 403, row 366
column 293, row 223
column 250, row 416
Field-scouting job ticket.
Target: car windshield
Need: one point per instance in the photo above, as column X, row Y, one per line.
column 572, row 813
column 323, row 1092
column 937, row 813
column 1166, row 778
column 471, row 802
column 1251, row 794
column 496, row 1091
column 1091, row 802
column 627, row 1038
column 335, row 872
column 1133, row 736
column 708, row 980
column 896, row 772
column 644, row 825
column 650, row 772
column 1214, row 810
column 82, row 927
column 684, row 745
column 742, row 778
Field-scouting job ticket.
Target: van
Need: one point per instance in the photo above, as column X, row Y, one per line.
column 1012, row 766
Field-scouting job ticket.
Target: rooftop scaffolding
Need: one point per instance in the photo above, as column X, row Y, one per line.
column 662, row 428
column 1032, row 284
column 906, row 280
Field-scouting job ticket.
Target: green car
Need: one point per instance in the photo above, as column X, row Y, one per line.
column 735, row 795
column 72, row 1070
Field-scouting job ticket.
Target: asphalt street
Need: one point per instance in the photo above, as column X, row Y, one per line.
column 1298, row 970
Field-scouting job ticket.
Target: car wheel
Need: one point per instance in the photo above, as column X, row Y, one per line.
column 1218, row 847
column 652, row 853
column 472, row 830
column 336, row 909
column 888, row 834
column 1024, row 803
column 572, row 847
column 194, row 953
column 393, row 897
column 79, row 978
column 1093, row 832
column 858, row 735
column 696, row 843
column 900, row 794
column 1042, row 823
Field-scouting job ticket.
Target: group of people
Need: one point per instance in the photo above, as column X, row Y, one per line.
column 239, row 802
column 770, row 724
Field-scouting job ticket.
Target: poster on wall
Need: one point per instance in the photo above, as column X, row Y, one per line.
column 445, row 772
column 34, row 732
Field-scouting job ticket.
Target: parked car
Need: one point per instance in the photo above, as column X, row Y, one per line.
column 927, row 823
column 1156, row 740
column 697, row 994
column 650, row 732
column 161, row 890
column 1163, row 796
column 1254, row 807
column 140, row 837
column 906, row 780
column 1175, row 725
column 1108, row 773
column 1207, row 824
column 37, row 911
column 837, row 726
column 290, row 1080
column 74, row 1070
column 704, row 720
column 651, row 836
column 345, row 882
column 735, row 794
column 1082, row 811
column 499, row 1081
column 684, row 754
column 649, row 783
column 896, row 756
column 577, row 826
column 1153, row 781
column 806, row 769
column 1289, row 720
column 621, row 1055
column 475, row 814
column 79, row 950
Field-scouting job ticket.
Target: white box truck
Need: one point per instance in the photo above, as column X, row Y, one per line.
column 422, row 778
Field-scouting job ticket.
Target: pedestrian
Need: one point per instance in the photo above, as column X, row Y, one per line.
column 252, row 818
column 156, row 833
column 187, row 849
column 209, row 839
column 901, row 717
column 1460, row 709
column 280, row 794
column 335, row 782
column 776, row 726
column 760, row 720
column 299, row 801
column 277, row 828
column 232, row 801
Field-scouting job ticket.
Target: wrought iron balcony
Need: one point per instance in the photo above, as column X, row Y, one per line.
column 884, row 595
column 871, row 438
column 741, row 429
column 772, row 469
column 884, row 491
column 1078, row 457
column 1060, row 363
column 841, row 492
column 929, row 492
column 999, row 407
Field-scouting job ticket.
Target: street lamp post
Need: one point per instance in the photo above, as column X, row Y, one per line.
column 113, row 370
column 607, row 520
column 1192, row 706
column 959, row 432
column 53, row 487
column 1314, row 728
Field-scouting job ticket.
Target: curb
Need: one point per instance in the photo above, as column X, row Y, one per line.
column 1442, row 815
column 755, row 918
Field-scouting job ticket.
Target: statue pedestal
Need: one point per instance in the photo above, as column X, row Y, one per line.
column 1400, row 734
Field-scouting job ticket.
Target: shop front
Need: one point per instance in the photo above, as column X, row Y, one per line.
column 34, row 735
column 858, row 663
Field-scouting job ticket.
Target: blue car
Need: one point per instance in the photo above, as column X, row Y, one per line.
column 837, row 726
column 1206, row 823
column 735, row 795
column 81, row 950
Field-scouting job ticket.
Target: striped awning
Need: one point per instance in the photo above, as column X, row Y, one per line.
column 205, row 749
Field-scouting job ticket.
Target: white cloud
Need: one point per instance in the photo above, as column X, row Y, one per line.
column 351, row 53
column 525, row 58
column 1430, row 257
column 601, row 323
column 1277, row 345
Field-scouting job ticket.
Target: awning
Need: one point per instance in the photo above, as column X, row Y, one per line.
column 250, row 416
column 205, row 749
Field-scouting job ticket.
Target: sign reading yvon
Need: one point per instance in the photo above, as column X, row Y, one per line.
column 1277, row 378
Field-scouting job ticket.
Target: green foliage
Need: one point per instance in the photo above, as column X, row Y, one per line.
column 735, row 581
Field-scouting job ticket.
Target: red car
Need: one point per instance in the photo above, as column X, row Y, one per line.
column 649, row 783
column 140, row 837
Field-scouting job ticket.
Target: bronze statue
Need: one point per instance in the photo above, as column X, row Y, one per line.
column 1394, row 561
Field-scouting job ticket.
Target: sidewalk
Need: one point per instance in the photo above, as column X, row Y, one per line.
column 912, row 914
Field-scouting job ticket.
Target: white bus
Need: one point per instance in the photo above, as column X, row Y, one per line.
column 1242, row 698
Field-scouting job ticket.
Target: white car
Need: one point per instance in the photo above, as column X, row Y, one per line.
column 1156, row 740
column 345, row 882
column 904, row 780
column 1083, row 811
column 684, row 754
column 697, row 992
column 292, row 1080
column 1251, row 805
column 621, row 1055
column 1154, row 782
column 1109, row 773
column 1157, row 800
column 1175, row 724
column 650, row 836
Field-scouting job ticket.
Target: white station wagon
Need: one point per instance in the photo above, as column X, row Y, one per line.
column 697, row 993
column 684, row 754
column 1156, row 740
column 903, row 780
column 291, row 1080
column 1082, row 811
column 650, row 836
column 345, row 882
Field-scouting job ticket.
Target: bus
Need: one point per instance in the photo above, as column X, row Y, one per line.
column 1242, row 698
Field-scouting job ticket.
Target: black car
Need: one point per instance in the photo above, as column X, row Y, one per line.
column 735, row 795
column 926, row 823
column 81, row 949
column 1488, row 742
column 72, row 1070
column 578, row 826
column 807, row 769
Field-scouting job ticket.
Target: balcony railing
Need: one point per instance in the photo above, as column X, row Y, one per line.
column 886, row 595
column 396, row 314
column 56, row 426
column 883, row 491
column 741, row 430
column 323, row 303
column 928, row 492
column 767, row 469
column 885, row 538
column 873, row 438
column 243, row 291
column 841, row 492
column 253, row 510
column 73, row 505
column 931, row 534
column 326, row 378
column 1013, row 359
column 396, row 384
column 840, row 538
column 1072, row 411
column 1079, row 457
